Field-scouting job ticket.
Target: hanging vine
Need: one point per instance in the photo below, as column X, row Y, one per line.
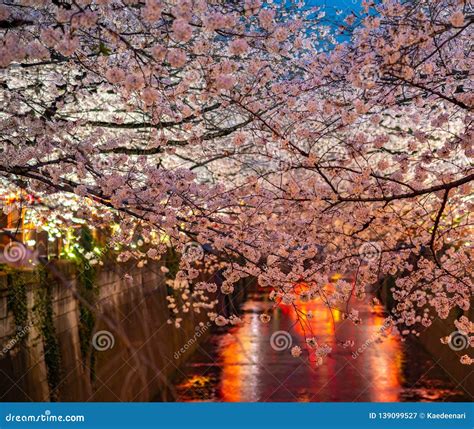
column 45, row 318
column 88, row 291
column 17, row 303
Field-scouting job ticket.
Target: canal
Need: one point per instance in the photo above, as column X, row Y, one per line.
column 240, row 364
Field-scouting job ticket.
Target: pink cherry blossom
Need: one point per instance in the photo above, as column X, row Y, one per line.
column 254, row 142
column 177, row 57
column 239, row 47
column 457, row 19
column 182, row 30
column 225, row 82
column 296, row 351
column 115, row 75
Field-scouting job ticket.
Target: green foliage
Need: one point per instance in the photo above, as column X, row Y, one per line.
column 104, row 50
column 88, row 291
column 17, row 300
column 43, row 309
column 45, row 317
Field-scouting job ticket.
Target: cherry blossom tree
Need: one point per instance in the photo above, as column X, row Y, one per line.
column 287, row 148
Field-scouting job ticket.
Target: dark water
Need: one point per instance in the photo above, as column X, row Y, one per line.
column 240, row 364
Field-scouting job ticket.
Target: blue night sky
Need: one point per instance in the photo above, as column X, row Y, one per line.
column 340, row 4
column 346, row 6
column 331, row 6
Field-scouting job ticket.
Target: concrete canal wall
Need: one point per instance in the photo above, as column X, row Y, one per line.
column 445, row 356
column 47, row 334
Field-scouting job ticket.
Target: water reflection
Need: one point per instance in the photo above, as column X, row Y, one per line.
column 240, row 365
